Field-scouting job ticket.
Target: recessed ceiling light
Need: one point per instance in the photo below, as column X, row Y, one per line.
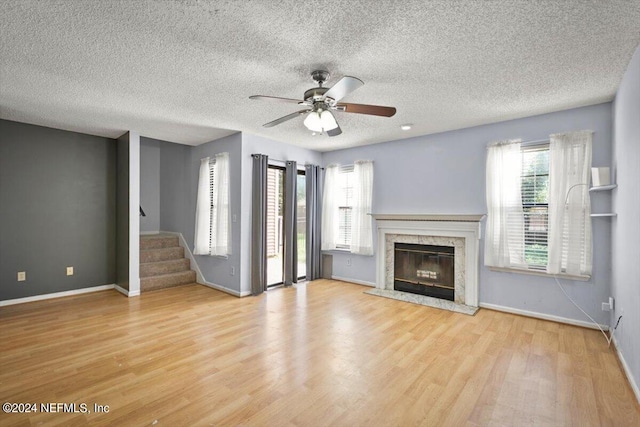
column 406, row 126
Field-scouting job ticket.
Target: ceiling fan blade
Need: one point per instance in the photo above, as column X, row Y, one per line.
column 276, row 98
column 285, row 118
column 343, row 87
column 375, row 110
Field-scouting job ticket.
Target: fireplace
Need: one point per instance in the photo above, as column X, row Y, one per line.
column 424, row 270
column 456, row 237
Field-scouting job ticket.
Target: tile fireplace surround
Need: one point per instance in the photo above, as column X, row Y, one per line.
column 459, row 231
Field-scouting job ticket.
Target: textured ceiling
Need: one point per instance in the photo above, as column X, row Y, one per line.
column 183, row 70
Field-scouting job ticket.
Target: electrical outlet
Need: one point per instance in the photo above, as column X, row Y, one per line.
column 348, row 262
column 233, row 271
column 22, row 276
column 234, row 218
column 69, row 271
column 606, row 306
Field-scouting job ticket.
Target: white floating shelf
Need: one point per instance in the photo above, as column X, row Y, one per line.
column 604, row 214
column 604, row 187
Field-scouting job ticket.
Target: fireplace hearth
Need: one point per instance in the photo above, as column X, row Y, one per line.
column 424, row 270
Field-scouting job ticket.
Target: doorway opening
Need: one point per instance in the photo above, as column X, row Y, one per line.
column 275, row 224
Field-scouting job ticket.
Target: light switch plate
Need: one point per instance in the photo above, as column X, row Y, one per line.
column 69, row 271
column 22, row 276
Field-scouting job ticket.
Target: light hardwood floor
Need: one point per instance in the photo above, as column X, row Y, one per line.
column 315, row 355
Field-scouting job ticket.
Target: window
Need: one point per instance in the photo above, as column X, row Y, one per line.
column 212, row 209
column 534, row 188
column 538, row 205
column 346, row 208
column 344, row 198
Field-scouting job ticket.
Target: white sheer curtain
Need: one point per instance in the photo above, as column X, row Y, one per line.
column 329, row 230
column 569, row 203
column 361, row 222
column 203, row 210
column 220, row 223
column 504, row 242
column 212, row 234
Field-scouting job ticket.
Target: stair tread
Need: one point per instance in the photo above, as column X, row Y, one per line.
column 160, row 249
column 160, row 288
column 165, row 261
column 177, row 273
column 167, row 280
column 158, row 241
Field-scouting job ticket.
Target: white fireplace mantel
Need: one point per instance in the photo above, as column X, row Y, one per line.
column 400, row 227
column 429, row 217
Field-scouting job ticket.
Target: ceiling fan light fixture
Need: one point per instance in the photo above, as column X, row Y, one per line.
column 328, row 121
column 319, row 101
column 313, row 122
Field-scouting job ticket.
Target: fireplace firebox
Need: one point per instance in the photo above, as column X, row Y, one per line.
column 424, row 269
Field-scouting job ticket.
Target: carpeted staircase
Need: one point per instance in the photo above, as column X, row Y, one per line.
column 162, row 263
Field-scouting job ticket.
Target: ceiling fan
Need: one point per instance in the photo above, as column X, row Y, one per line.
column 320, row 101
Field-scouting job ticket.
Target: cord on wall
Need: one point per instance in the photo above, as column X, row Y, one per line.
column 608, row 338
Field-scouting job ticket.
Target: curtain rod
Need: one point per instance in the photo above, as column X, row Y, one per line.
column 535, row 142
column 285, row 161
column 271, row 158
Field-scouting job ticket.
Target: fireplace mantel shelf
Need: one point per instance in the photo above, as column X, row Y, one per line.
column 431, row 217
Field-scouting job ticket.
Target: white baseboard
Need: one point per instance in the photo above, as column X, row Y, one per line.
column 149, row 233
column 627, row 371
column 56, row 295
column 225, row 289
column 542, row 316
column 199, row 276
column 125, row 292
column 356, row 281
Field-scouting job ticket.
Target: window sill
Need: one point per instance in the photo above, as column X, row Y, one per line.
column 580, row 277
column 347, row 250
column 214, row 256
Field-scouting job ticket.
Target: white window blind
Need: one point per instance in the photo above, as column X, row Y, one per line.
column 345, row 205
column 212, row 231
column 212, row 197
column 535, row 205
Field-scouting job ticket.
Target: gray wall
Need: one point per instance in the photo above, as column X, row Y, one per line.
column 625, row 254
column 174, row 189
column 445, row 173
column 150, row 184
column 252, row 144
column 218, row 270
column 57, row 205
column 122, row 212
column 179, row 169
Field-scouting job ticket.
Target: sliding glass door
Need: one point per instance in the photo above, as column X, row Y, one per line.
column 275, row 238
column 301, row 202
column 275, row 224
